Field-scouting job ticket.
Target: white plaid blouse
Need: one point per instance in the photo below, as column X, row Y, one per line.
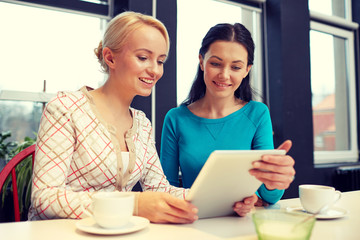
column 77, row 154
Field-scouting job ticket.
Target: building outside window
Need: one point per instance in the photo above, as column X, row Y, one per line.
column 333, row 82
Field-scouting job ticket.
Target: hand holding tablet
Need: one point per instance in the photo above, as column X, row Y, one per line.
column 276, row 172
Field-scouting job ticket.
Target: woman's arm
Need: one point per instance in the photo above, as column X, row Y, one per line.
column 263, row 139
column 54, row 152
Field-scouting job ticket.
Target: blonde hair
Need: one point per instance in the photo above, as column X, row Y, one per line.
column 119, row 29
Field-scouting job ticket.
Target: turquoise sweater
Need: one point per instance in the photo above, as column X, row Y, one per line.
column 187, row 141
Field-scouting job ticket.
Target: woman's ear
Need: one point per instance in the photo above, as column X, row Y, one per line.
column 248, row 68
column 108, row 57
column 201, row 62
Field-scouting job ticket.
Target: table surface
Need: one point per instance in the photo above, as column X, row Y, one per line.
column 230, row 228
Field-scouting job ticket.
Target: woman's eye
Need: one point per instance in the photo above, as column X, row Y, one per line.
column 236, row 68
column 142, row 58
column 215, row 64
column 160, row 62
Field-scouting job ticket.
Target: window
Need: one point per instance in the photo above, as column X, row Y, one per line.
column 43, row 44
column 190, row 34
column 335, row 8
column 333, row 85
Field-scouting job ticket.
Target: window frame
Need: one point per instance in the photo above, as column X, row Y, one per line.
column 352, row 155
column 11, row 95
column 101, row 9
column 347, row 12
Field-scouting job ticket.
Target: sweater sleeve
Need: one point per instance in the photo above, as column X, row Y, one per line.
column 54, row 152
column 263, row 139
column 169, row 153
column 269, row 196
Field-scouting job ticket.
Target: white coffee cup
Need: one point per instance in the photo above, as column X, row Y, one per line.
column 112, row 209
column 315, row 197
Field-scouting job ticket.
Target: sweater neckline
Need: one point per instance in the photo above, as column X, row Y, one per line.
column 216, row 120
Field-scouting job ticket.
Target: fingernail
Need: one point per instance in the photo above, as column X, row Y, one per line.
column 195, row 210
column 256, row 165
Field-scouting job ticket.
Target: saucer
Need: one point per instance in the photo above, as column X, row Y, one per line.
column 332, row 213
column 90, row 226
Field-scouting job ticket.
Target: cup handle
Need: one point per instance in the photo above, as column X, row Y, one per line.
column 337, row 196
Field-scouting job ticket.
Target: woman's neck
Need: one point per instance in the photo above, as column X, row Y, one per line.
column 112, row 101
column 211, row 108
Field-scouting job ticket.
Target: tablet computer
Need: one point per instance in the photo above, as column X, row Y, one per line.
column 224, row 180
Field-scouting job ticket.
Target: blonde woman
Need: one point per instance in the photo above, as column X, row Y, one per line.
column 92, row 140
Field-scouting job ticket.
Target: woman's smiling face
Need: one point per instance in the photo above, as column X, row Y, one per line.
column 139, row 64
column 225, row 65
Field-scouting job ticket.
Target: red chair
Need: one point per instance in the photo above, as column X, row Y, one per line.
column 10, row 169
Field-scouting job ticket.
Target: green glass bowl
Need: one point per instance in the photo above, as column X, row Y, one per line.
column 281, row 225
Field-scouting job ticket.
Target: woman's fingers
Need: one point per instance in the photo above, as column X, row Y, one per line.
column 261, row 203
column 242, row 208
column 168, row 218
column 280, row 168
column 163, row 208
column 181, row 204
column 275, row 171
column 181, row 209
column 286, row 145
column 275, row 176
column 273, row 180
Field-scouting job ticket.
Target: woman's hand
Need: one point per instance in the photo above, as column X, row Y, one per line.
column 261, row 203
column 276, row 172
column 163, row 208
column 244, row 207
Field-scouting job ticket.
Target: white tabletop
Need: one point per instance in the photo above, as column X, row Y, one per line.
column 346, row 228
column 229, row 228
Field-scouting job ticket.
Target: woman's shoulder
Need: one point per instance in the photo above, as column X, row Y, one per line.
column 258, row 106
column 181, row 110
column 140, row 117
column 256, row 109
column 68, row 99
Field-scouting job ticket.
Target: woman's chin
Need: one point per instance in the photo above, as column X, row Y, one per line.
column 145, row 93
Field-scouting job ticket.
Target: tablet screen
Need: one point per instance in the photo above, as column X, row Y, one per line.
column 224, row 180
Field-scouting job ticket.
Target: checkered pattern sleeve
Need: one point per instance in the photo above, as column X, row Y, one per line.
column 52, row 197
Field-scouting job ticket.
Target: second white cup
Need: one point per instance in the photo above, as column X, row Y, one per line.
column 315, row 197
column 112, row 209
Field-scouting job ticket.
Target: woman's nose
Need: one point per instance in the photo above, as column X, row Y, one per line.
column 154, row 69
column 224, row 74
